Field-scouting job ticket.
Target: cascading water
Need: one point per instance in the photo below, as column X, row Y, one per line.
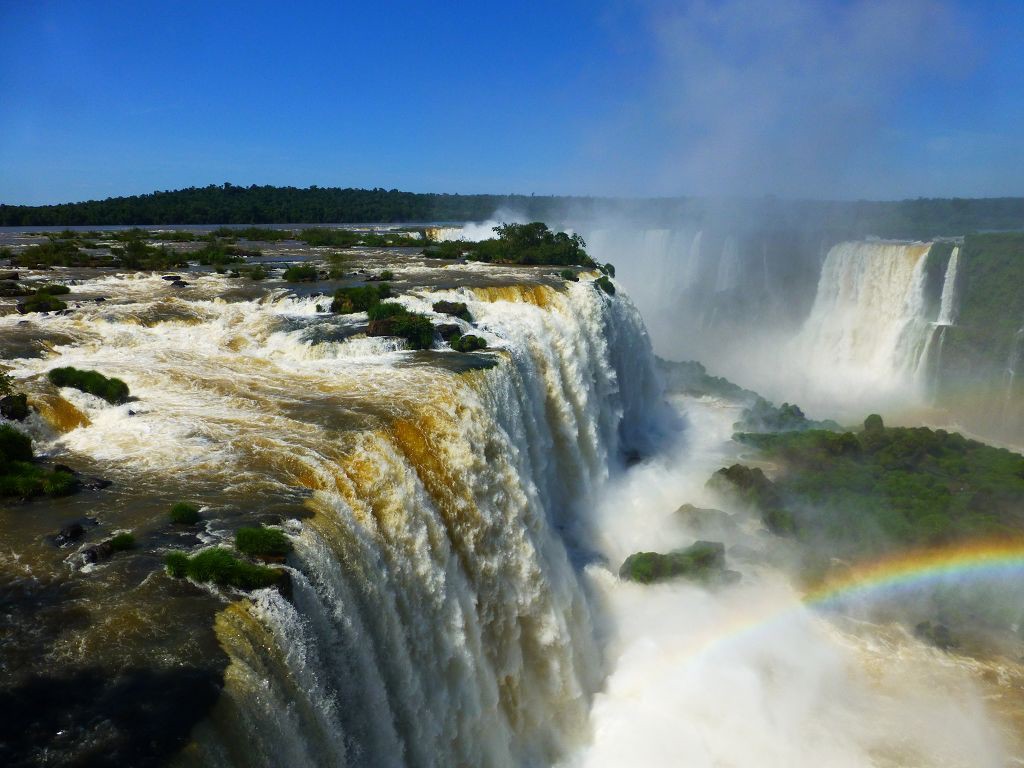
column 867, row 331
column 436, row 617
column 947, row 307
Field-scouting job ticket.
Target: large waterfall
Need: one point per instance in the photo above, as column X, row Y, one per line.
column 436, row 616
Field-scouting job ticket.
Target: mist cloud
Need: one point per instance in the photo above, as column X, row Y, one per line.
column 788, row 97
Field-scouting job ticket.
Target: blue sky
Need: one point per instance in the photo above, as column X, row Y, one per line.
column 859, row 98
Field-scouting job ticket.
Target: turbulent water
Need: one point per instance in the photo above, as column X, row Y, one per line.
column 457, row 521
column 436, row 617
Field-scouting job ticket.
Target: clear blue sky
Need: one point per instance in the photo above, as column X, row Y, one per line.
column 858, row 98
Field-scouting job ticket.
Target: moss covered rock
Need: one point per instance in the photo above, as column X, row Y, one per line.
column 703, row 561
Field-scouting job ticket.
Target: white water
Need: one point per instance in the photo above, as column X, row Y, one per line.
column 948, row 306
column 746, row 676
column 437, row 619
column 867, row 332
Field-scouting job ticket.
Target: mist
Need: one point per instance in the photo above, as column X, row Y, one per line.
column 746, row 675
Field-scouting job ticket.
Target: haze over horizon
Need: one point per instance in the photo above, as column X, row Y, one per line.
column 838, row 100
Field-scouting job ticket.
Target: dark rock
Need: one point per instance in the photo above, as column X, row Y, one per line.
column 284, row 584
column 68, row 534
column 98, row 552
column 8, row 275
column 935, row 634
column 64, row 468
column 96, row 484
column 171, row 278
column 100, row 299
column 447, row 330
column 753, row 487
column 703, row 561
column 14, row 407
column 383, row 327
column 454, row 308
column 179, row 284
column 702, row 520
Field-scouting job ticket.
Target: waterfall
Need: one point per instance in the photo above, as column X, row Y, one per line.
column 868, row 328
column 947, row 308
column 436, row 614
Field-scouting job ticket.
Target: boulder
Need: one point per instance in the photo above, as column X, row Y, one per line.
column 447, row 330
column 179, row 284
column 171, row 278
column 753, row 487
column 68, row 534
column 98, row 552
column 703, row 561
column 702, row 520
column 11, row 275
column 454, row 308
column 14, row 407
column 382, row 327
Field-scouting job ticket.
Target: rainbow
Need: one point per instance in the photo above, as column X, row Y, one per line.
column 890, row 574
column 977, row 559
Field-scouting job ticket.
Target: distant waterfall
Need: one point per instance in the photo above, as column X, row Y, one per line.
column 947, row 309
column 868, row 326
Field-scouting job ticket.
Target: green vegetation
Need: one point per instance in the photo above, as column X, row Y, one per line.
column 217, row 253
column 467, row 343
column 605, row 285
column 53, row 289
column 257, row 272
column 261, row 234
column 262, row 542
column 121, row 542
column 359, row 298
column 530, row 243
column 853, row 493
column 762, row 416
column 417, row 330
column 321, row 236
column 219, row 566
column 112, row 390
column 301, row 273
column 703, row 561
column 41, row 302
column 568, row 274
column 386, row 309
column 21, row 477
column 454, row 308
column 386, row 275
column 184, row 513
column 692, row 378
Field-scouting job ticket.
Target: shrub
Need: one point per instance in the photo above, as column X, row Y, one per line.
column 219, row 566
column 262, row 542
column 41, row 302
column 184, row 513
column 359, row 298
column 255, row 273
column 53, row 289
column 417, row 330
column 59, row 483
column 605, row 285
column 121, row 542
column 14, row 445
column 112, row 390
column 386, row 309
column 386, row 274
column 568, row 274
column 467, row 343
column 301, row 273
column 454, row 308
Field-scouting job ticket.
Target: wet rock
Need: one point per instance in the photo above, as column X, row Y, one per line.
column 284, row 584
column 98, row 552
column 754, row 488
column 69, row 534
column 179, row 284
column 454, row 308
column 383, row 327
column 935, row 634
column 96, row 483
column 8, row 275
column 100, row 299
column 171, row 278
column 704, row 520
column 14, row 407
column 448, row 330
column 703, row 561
